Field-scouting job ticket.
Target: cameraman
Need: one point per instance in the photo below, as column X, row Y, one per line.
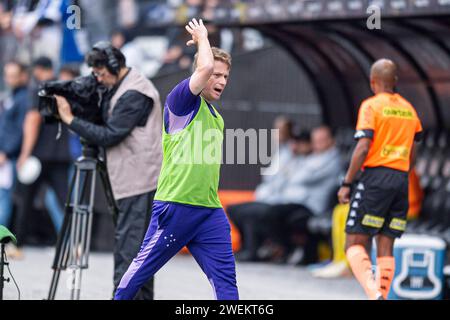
column 131, row 134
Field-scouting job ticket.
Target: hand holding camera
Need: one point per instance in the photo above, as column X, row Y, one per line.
column 62, row 100
column 64, row 110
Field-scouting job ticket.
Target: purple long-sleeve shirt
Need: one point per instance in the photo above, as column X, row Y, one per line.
column 181, row 107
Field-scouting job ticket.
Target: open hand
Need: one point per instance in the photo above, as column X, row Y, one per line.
column 197, row 30
column 64, row 109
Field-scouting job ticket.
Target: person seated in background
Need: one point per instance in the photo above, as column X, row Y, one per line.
column 309, row 187
column 317, row 177
column 300, row 190
column 249, row 217
column 264, row 190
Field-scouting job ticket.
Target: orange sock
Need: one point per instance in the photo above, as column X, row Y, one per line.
column 362, row 269
column 386, row 267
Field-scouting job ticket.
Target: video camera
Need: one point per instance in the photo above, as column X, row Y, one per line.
column 83, row 94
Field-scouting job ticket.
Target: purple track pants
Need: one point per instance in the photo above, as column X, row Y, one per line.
column 206, row 233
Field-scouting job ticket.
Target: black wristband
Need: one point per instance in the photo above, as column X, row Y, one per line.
column 346, row 184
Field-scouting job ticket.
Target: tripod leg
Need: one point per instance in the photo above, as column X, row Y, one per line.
column 2, row 263
column 74, row 247
column 82, row 226
column 75, row 283
column 108, row 192
column 74, row 240
column 62, row 244
column 61, row 252
column 87, row 230
column 63, row 236
column 75, row 220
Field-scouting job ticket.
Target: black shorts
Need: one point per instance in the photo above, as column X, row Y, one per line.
column 379, row 203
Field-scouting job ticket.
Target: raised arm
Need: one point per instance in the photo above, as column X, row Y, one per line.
column 205, row 60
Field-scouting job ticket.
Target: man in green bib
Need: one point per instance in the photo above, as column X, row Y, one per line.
column 187, row 210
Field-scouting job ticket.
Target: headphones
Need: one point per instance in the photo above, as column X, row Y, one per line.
column 106, row 47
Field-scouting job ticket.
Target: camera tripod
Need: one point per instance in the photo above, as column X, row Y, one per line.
column 73, row 244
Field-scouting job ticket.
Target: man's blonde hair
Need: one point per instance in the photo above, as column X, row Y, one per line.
column 219, row 55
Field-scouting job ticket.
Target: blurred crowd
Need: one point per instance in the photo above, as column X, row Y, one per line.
column 23, row 135
column 148, row 32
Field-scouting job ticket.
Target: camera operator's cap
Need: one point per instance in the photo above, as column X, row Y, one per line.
column 30, row 171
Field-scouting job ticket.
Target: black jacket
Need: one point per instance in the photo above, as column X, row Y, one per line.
column 132, row 110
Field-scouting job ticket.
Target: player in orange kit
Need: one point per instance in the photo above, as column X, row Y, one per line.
column 387, row 129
